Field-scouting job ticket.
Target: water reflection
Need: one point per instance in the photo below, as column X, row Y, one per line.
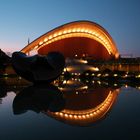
column 73, row 103
column 11, row 84
column 38, row 98
column 84, row 105
column 92, row 103
column 3, row 90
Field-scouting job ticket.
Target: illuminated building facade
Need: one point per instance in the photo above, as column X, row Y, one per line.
column 76, row 39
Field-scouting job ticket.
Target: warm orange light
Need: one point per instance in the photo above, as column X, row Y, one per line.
column 101, row 109
column 76, row 29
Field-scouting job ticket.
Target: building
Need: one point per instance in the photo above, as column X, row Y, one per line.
column 79, row 39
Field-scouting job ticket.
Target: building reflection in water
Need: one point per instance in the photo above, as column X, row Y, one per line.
column 75, row 103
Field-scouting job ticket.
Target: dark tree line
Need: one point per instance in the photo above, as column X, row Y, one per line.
column 5, row 60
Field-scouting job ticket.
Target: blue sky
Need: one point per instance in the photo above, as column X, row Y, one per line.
column 20, row 19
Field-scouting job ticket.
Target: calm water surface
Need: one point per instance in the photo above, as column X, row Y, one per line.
column 40, row 112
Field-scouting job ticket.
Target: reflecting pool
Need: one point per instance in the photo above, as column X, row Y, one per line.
column 69, row 109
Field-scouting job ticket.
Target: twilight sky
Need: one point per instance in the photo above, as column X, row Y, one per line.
column 23, row 19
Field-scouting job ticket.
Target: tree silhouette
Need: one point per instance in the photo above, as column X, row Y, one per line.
column 4, row 60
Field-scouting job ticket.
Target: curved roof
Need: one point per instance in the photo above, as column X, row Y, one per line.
column 86, row 116
column 86, row 29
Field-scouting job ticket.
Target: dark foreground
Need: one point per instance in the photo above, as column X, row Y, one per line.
column 73, row 111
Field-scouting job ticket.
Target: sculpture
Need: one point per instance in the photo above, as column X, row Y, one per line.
column 38, row 68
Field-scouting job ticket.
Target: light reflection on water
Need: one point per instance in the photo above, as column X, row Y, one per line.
column 48, row 112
